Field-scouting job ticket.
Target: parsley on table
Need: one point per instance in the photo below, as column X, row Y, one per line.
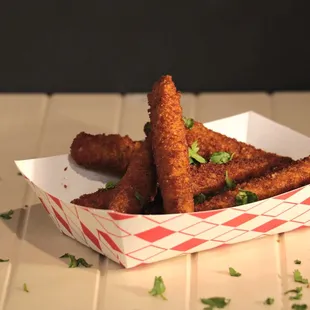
column 3, row 260
column 159, row 288
column 25, row 288
column 230, row 183
column 200, row 198
column 221, row 157
column 194, row 157
column 74, row 262
column 297, row 261
column 298, row 277
column 147, row 128
column 188, row 122
column 110, row 185
column 269, row 301
column 299, row 307
column 233, row 272
column 7, row 215
column 297, row 292
column 244, row 197
column 19, row 173
column 215, row 302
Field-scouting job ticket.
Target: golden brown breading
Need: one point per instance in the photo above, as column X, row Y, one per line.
column 295, row 175
column 210, row 178
column 138, row 185
column 169, row 147
column 108, row 153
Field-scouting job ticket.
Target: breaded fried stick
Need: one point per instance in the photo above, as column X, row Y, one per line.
column 295, row 175
column 108, row 153
column 169, row 146
column 211, row 178
column 138, row 185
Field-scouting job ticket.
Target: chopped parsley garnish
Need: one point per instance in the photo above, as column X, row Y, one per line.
column 189, row 122
column 25, row 288
column 159, row 288
column 215, row 302
column 200, row 198
column 297, row 292
column 244, row 197
column 297, row 261
column 110, row 185
column 233, row 272
column 194, row 157
column 299, row 307
column 3, row 260
column 147, row 128
column 230, row 183
column 75, row 262
column 269, row 301
column 298, row 277
column 221, row 157
column 7, row 215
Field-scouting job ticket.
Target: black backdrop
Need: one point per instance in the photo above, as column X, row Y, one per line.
column 124, row 46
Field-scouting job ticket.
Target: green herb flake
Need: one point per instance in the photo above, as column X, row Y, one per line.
column 188, row 122
column 299, row 307
column 194, row 157
column 297, row 291
column 3, row 260
column 110, row 185
column 230, row 183
column 25, row 288
column 269, row 301
column 298, row 277
column 140, row 198
column 233, row 272
column 147, row 128
column 159, row 288
column 297, row 261
column 245, row 197
column 221, row 157
column 7, row 215
column 75, row 262
column 200, row 198
column 215, row 302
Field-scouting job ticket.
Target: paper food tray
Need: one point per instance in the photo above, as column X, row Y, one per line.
column 132, row 240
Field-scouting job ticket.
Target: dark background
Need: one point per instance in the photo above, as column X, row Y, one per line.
column 124, row 46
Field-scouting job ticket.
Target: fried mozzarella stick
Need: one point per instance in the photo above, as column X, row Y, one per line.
column 169, row 147
column 138, row 186
column 108, row 153
column 210, row 178
column 295, row 175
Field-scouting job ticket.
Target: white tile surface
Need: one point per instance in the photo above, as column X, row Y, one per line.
column 34, row 245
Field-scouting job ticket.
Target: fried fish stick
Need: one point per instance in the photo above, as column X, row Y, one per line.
column 98, row 200
column 138, row 185
column 169, row 147
column 293, row 176
column 210, row 178
column 108, row 153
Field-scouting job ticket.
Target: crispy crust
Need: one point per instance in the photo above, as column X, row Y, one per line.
column 295, row 175
column 169, row 147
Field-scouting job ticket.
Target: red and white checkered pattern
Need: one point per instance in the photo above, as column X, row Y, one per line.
column 132, row 240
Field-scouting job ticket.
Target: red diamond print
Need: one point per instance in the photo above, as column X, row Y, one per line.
column 62, row 221
column 155, row 234
column 119, row 216
column 189, row 244
column 91, row 236
column 206, row 214
column 269, row 225
column 306, row 202
column 56, row 200
column 43, row 204
column 287, row 195
column 239, row 220
column 108, row 239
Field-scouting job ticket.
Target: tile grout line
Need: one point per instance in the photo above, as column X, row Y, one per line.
column 191, row 281
column 22, row 223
